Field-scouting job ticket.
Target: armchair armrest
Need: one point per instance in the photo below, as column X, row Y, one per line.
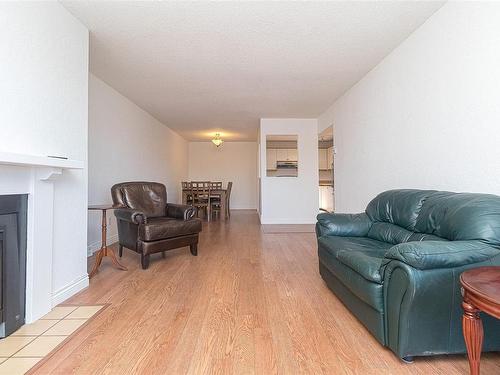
column 130, row 215
column 180, row 211
column 425, row 255
column 347, row 225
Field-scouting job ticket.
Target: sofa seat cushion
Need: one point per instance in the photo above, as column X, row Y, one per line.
column 424, row 237
column 362, row 255
column 369, row 292
column 165, row 227
column 367, row 265
column 334, row 244
column 356, row 261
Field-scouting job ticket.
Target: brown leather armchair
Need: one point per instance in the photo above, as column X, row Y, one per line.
column 148, row 224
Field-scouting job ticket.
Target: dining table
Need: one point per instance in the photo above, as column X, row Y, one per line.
column 214, row 192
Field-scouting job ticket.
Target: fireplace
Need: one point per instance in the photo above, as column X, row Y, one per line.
column 34, row 177
column 13, row 233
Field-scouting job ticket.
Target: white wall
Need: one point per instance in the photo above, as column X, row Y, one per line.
column 128, row 144
column 43, row 110
column 233, row 161
column 428, row 116
column 291, row 200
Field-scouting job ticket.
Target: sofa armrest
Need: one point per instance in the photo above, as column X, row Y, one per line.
column 180, row 211
column 130, row 215
column 347, row 225
column 425, row 255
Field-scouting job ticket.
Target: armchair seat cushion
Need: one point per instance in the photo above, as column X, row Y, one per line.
column 165, row 227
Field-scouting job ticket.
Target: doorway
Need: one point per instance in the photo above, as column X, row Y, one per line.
column 326, row 173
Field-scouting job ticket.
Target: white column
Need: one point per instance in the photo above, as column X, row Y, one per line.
column 39, row 242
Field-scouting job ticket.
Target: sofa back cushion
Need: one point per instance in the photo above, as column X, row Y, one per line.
column 461, row 216
column 400, row 207
column 390, row 233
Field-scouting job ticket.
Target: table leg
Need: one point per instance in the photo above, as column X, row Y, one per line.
column 110, row 253
column 98, row 260
column 209, row 209
column 104, row 251
column 223, row 205
column 473, row 334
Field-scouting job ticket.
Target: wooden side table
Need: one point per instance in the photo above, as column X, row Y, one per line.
column 104, row 251
column 481, row 292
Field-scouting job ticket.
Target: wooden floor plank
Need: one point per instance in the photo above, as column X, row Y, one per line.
column 252, row 302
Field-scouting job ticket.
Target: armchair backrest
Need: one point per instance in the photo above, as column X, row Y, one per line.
column 147, row 197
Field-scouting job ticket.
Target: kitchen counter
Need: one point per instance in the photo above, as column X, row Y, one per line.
column 325, row 182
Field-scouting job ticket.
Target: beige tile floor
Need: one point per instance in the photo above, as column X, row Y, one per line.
column 32, row 342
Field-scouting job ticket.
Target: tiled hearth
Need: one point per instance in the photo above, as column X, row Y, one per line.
column 33, row 342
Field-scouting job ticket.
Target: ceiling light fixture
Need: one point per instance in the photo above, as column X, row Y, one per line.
column 217, row 141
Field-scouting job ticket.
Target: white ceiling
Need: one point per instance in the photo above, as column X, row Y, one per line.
column 209, row 67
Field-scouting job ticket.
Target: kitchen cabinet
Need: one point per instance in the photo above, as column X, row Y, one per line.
column 292, row 154
column 326, row 197
column 271, row 159
column 281, row 155
column 286, row 154
column 322, row 159
column 325, row 159
column 329, row 157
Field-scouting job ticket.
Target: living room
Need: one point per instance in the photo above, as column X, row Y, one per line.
column 144, row 228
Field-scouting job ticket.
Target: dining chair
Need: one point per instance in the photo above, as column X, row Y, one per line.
column 215, row 198
column 186, row 186
column 200, row 192
column 214, row 185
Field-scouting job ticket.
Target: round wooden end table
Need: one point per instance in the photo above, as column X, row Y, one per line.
column 104, row 251
column 481, row 292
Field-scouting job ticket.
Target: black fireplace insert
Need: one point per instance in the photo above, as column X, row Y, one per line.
column 13, row 230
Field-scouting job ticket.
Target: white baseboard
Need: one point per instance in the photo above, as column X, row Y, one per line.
column 70, row 290
column 265, row 221
column 94, row 246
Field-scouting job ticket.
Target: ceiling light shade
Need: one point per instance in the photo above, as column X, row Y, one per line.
column 217, row 141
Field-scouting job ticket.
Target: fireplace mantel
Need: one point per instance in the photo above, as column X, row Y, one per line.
column 9, row 158
column 35, row 175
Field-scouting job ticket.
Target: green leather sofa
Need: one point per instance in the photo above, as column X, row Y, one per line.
column 397, row 265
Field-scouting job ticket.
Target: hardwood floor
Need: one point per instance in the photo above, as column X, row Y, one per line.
column 251, row 302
